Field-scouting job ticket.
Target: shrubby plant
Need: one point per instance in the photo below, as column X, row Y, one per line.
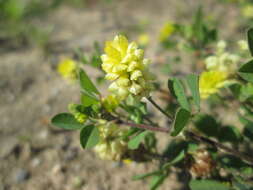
column 210, row 152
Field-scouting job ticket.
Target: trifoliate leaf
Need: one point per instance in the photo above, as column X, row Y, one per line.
column 66, row 121
column 89, row 136
column 182, row 118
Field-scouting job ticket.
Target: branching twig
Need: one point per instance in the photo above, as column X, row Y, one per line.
column 220, row 146
column 193, row 136
column 144, row 126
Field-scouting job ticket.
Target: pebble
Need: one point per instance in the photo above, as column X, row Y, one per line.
column 43, row 134
column 117, row 164
column 21, row 175
column 35, row 162
column 58, row 169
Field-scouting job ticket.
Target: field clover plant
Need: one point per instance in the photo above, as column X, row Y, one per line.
column 119, row 127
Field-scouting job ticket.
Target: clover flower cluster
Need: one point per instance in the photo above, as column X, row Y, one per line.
column 247, row 11
column 143, row 39
column 210, row 82
column 67, row 68
column 220, row 67
column 125, row 65
column 222, row 61
column 111, row 145
column 166, row 31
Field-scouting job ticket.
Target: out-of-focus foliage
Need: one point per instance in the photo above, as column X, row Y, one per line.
column 17, row 17
column 20, row 20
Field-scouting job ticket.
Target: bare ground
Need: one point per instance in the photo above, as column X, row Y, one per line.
column 36, row 156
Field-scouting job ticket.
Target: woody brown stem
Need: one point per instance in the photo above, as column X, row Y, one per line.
column 220, row 146
column 144, row 126
column 193, row 136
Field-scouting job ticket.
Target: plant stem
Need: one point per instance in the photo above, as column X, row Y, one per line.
column 159, row 108
column 234, row 152
column 193, row 136
column 144, row 126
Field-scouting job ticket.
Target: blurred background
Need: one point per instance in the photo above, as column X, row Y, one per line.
column 34, row 36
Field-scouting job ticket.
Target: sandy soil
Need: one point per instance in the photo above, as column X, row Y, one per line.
column 36, row 156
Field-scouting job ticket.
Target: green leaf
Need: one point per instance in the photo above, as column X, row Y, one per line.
column 235, row 89
column 156, row 181
column 177, row 159
column 198, row 25
column 135, row 141
column 207, row 125
column 246, row 92
column 248, row 130
column 246, row 71
column 66, row 121
column 181, row 119
column 170, row 86
column 229, row 134
column 241, row 185
column 174, row 148
column 231, row 162
column 207, row 185
column 88, row 100
column 192, row 147
column 250, row 40
column 178, row 91
column 193, row 83
column 86, row 83
column 89, row 136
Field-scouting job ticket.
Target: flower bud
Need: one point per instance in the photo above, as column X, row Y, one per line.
column 135, row 75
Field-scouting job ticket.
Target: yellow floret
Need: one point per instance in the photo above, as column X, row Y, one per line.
column 166, row 31
column 67, row 68
column 143, row 39
column 247, row 11
column 210, row 82
column 222, row 61
column 110, row 103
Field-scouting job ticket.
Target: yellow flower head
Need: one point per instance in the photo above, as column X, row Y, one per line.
column 210, row 82
column 67, row 68
column 111, row 146
column 222, row 61
column 247, row 11
column 166, row 31
column 143, row 39
column 243, row 45
column 124, row 64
